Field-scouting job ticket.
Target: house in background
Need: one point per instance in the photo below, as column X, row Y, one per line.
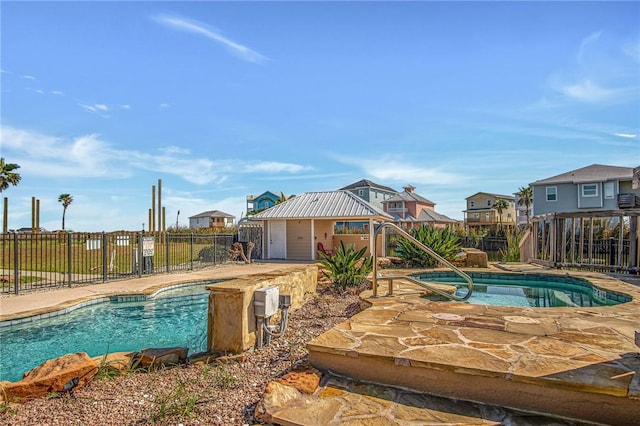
column 593, row 188
column 411, row 210
column 481, row 214
column 371, row 192
column 211, row 219
column 294, row 229
column 261, row 202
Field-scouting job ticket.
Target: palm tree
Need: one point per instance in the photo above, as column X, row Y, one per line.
column 7, row 174
column 500, row 205
column 283, row 198
column 66, row 201
column 526, row 199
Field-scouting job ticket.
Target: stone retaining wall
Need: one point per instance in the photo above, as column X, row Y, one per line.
column 232, row 323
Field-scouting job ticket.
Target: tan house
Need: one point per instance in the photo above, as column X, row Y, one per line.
column 411, row 210
column 480, row 212
column 294, row 229
column 211, row 219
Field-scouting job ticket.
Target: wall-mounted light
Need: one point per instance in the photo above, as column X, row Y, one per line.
column 325, row 235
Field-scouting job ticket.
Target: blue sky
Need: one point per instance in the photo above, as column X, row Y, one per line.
column 225, row 99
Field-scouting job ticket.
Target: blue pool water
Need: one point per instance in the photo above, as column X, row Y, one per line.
column 175, row 317
column 528, row 290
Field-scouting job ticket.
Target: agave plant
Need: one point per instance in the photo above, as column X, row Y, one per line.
column 443, row 241
column 347, row 267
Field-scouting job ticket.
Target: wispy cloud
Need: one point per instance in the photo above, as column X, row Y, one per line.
column 274, row 167
column 626, row 135
column 604, row 70
column 57, row 92
column 90, row 156
column 100, row 109
column 194, row 27
column 588, row 91
column 164, row 106
column 28, row 77
column 402, row 170
column 591, row 38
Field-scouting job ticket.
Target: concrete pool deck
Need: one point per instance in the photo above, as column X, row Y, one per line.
column 48, row 301
column 572, row 363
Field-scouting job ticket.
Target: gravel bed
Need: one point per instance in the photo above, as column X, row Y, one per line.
column 214, row 394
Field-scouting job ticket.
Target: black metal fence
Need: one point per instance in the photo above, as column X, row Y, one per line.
column 30, row 261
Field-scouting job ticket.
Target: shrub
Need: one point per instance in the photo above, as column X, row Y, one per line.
column 213, row 254
column 512, row 252
column 442, row 241
column 347, row 267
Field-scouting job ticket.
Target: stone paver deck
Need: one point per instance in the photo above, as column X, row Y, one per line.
column 580, row 363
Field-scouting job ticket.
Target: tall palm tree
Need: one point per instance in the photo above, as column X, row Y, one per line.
column 8, row 176
column 526, row 199
column 66, row 201
column 500, row 205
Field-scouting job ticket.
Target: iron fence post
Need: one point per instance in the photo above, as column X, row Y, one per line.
column 166, row 243
column 191, row 251
column 140, row 257
column 16, row 261
column 214, row 249
column 69, row 258
column 104, row 256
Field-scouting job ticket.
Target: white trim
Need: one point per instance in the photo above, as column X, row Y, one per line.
column 555, row 193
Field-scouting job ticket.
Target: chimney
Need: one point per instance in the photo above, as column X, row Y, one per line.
column 409, row 188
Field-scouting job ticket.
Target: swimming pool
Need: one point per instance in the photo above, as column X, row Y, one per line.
column 528, row 290
column 171, row 317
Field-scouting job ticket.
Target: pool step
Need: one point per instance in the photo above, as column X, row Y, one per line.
column 340, row 401
column 502, row 356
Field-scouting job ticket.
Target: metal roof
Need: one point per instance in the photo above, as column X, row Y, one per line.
column 212, row 213
column 323, row 205
column 592, row 173
column 365, row 183
column 504, row 197
column 408, row 196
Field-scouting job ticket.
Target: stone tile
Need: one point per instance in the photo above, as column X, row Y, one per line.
column 380, row 346
column 492, row 336
column 433, row 336
column 553, row 347
column 333, row 341
column 458, row 358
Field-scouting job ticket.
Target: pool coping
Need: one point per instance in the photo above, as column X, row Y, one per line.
column 145, row 295
column 33, row 306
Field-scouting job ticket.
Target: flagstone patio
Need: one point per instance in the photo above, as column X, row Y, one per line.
column 575, row 363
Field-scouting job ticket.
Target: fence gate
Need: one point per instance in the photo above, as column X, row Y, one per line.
column 251, row 233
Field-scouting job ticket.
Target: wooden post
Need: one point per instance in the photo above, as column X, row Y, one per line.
column 582, row 240
column 621, row 242
column 160, row 211
column 634, row 258
column 591, row 240
column 152, row 225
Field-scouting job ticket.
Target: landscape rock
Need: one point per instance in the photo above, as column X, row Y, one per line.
column 155, row 358
column 58, row 375
column 306, row 379
column 117, row 362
